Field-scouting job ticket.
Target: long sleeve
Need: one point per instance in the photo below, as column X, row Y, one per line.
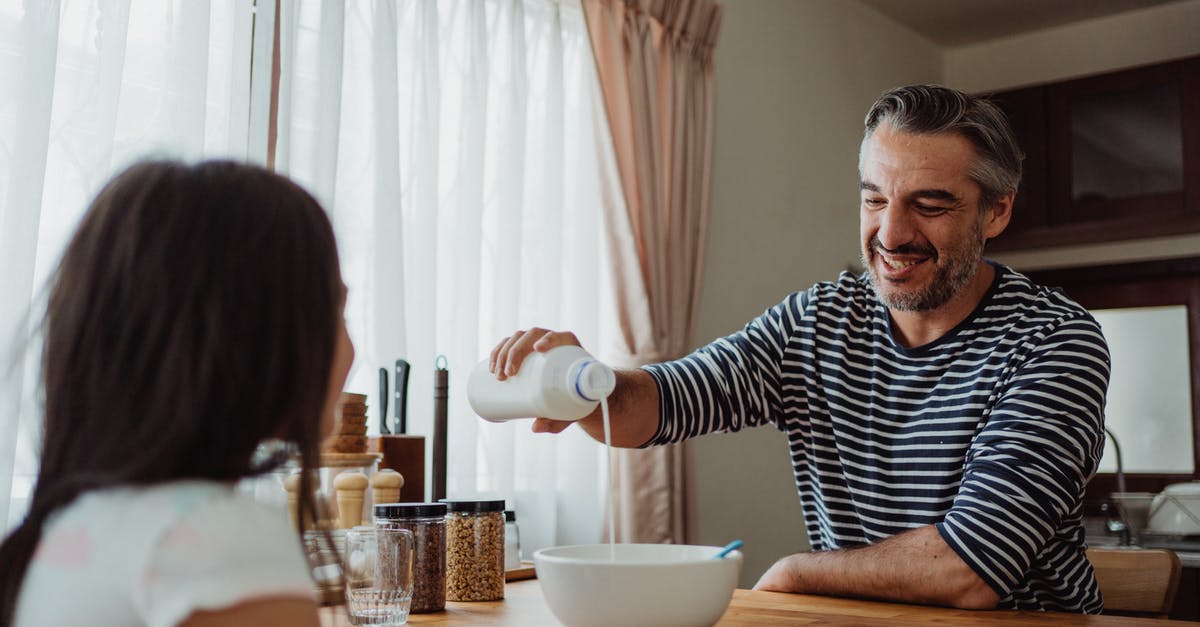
column 732, row 383
column 1028, row 465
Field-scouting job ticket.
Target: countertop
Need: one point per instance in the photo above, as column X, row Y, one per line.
column 523, row 605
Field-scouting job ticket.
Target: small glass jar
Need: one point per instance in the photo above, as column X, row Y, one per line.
column 475, row 550
column 323, row 559
column 512, row 541
column 427, row 522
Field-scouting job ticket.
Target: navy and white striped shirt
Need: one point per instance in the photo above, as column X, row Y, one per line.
column 990, row 432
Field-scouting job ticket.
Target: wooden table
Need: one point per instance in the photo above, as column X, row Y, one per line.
column 523, row 605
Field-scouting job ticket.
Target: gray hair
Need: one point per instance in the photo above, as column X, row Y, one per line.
column 931, row 109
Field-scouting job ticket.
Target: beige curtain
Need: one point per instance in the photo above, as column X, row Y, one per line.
column 654, row 59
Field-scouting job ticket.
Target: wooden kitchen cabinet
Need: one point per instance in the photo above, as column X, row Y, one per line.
column 1187, row 596
column 1108, row 157
column 1026, row 109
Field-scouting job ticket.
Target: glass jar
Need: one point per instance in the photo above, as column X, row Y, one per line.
column 475, row 550
column 427, row 522
column 335, row 464
column 324, row 547
column 512, row 541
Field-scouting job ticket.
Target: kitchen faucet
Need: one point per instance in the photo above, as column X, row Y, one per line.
column 1117, row 523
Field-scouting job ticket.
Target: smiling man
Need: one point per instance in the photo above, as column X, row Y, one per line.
column 943, row 412
column 924, row 219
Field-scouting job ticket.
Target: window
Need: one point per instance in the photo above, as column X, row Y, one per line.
column 1150, row 312
column 1149, row 407
column 451, row 141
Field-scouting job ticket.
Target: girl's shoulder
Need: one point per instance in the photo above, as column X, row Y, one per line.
column 154, row 554
column 147, row 505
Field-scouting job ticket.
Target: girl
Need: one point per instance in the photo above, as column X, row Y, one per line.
column 196, row 312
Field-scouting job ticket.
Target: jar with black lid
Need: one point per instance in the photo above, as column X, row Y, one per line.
column 475, row 550
column 427, row 522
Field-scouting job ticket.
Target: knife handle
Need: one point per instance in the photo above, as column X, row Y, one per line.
column 402, row 368
column 383, row 400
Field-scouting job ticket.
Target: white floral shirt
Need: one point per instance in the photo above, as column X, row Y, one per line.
column 155, row 555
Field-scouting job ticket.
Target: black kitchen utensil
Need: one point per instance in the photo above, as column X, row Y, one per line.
column 401, row 452
column 383, row 401
column 441, row 396
column 402, row 369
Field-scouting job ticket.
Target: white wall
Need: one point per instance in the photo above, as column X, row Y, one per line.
column 1090, row 47
column 793, row 82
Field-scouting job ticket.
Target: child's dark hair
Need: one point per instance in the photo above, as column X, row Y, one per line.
column 193, row 315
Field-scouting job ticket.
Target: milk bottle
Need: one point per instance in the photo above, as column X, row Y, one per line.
column 563, row 383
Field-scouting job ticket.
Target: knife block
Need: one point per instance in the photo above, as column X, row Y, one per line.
column 406, row 455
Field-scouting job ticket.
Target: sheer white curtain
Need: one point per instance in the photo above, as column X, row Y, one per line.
column 89, row 86
column 454, row 143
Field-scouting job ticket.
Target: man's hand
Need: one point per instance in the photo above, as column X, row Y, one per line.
column 916, row 566
column 507, row 356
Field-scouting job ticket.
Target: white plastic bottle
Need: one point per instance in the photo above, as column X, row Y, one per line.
column 563, row 383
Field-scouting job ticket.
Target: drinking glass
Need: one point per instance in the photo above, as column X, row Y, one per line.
column 379, row 581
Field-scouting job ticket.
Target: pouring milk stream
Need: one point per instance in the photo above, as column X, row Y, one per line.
column 563, row 383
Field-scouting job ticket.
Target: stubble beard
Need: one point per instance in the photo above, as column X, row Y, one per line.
column 949, row 278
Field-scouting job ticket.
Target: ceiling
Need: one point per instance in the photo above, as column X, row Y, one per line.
column 961, row 22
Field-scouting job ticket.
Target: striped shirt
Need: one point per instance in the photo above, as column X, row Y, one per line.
column 989, row 432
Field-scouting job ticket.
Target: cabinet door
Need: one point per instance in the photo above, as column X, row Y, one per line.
column 1122, row 147
column 1026, row 110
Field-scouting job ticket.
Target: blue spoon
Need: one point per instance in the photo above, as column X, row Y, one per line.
column 732, row 546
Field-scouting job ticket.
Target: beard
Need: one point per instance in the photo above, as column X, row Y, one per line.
column 955, row 267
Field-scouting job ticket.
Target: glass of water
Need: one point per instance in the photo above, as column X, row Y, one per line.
column 379, row 580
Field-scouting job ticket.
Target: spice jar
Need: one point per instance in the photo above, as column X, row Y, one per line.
column 512, row 541
column 475, row 550
column 427, row 522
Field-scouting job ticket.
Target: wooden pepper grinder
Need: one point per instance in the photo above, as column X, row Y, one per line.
column 385, row 486
column 351, row 489
column 292, row 485
column 441, row 399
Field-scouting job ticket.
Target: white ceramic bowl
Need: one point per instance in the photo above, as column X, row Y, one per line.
column 1177, row 509
column 664, row 585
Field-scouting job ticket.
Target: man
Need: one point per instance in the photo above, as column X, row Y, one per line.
column 943, row 413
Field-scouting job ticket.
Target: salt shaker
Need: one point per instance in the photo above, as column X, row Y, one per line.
column 512, row 541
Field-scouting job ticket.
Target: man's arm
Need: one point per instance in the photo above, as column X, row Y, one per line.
column 1025, row 474
column 730, row 384
column 915, row 567
column 633, row 412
